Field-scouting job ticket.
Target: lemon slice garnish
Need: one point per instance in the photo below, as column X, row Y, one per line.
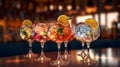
column 92, row 23
column 63, row 20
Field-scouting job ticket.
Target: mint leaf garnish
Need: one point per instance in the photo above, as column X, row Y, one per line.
column 24, row 33
column 91, row 33
column 60, row 31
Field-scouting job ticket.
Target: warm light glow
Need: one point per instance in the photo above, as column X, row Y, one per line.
column 45, row 8
column 66, row 57
column 16, row 60
column 41, row 9
column 97, row 57
column 94, row 9
column 89, row 9
column 78, row 58
column 82, row 12
column 77, row 7
column 92, row 54
column 60, row 7
column 82, row 18
column 30, row 56
column 112, row 16
column 108, row 7
column 51, row 7
column 103, row 59
column 111, row 58
column 109, row 52
column 38, row 9
column 78, row 51
column 70, row 22
column 118, row 25
column 41, row 59
column 58, row 62
column 18, row 6
column 102, row 15
column 69, row 7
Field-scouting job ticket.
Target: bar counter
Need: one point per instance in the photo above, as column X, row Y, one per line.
column 106, row 57
column 106, row 53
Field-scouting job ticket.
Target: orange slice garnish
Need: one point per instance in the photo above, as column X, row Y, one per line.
column 92, row 23
column 27, row 23
column 63, row 20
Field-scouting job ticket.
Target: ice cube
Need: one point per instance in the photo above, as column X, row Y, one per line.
column 82, row 29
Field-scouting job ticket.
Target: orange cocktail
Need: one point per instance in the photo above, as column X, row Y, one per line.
column 60, row 31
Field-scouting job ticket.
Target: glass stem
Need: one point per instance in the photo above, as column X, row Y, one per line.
column 42, row 47
column 83, row 45
column 66, row 47
column 59, row 44
column 66, row 44
column 30, row 46
column 88, row 46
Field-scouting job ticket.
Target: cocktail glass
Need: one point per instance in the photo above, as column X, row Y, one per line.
column 91, row 36
column 80, row 33
column 41, row 30
column 56, row 34
column 68, row 36
column 27, row 34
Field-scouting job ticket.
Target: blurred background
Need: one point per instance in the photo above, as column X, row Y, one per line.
column 13, row 12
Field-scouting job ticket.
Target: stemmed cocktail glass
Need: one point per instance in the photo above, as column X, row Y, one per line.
column 91, row 36
column 80, row 33
column 56, row 34
column 41, row 30
column 27, row 34
column 68, row 36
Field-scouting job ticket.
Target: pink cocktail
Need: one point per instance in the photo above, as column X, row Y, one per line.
column 41, row 30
